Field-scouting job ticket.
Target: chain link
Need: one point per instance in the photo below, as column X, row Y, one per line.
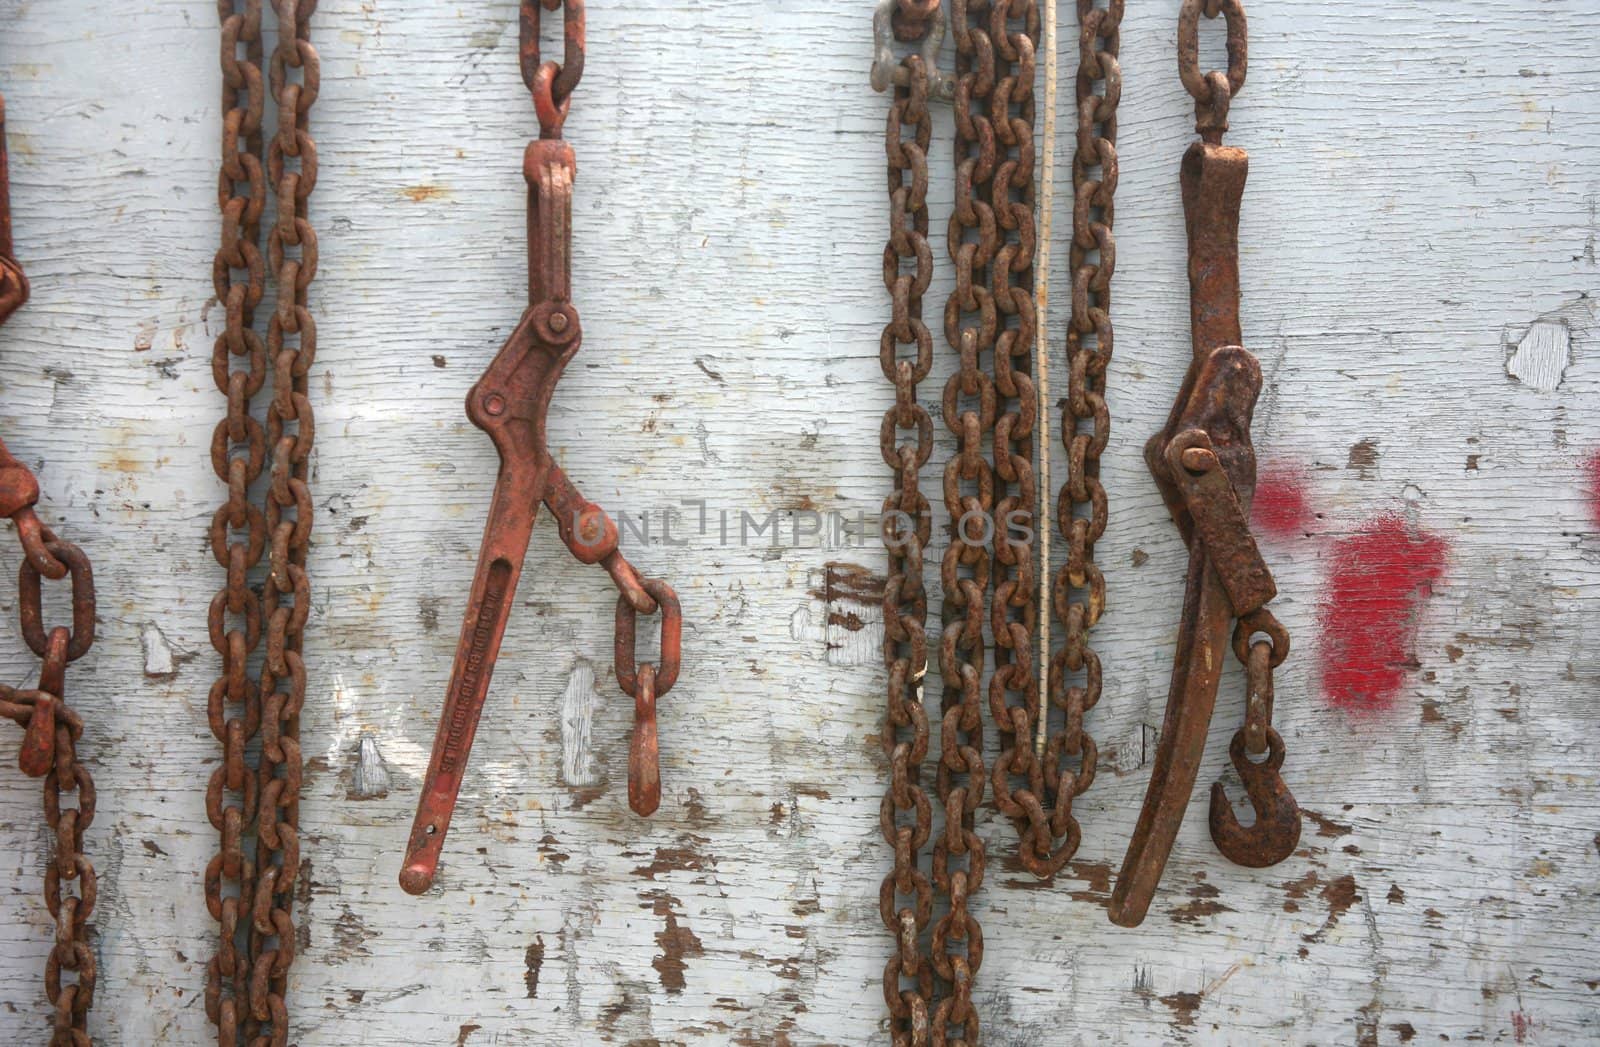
column 552, row 83
column 1259, row 657
column 251, row 896
column 1212, row 92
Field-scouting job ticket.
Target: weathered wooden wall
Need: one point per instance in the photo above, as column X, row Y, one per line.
column 1419, row 274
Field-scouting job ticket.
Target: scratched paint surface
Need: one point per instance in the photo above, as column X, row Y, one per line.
column 1423, row 195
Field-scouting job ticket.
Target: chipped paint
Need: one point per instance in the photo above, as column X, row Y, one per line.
column 533, row 963
column 370, row 780
column 579, row 765
column 677, row 943
column 1540, row 356
column 161, row 661
column 1363, row 458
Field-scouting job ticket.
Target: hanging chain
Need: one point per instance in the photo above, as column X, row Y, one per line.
column 992, row 240
column 50, row 750
column 906, row 441
column 552, row 84
column 968, row 408
column 1078, row 589
column 51, row 729
column 252, row 897
column 588, row 531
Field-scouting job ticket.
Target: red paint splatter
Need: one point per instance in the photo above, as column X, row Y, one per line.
column 1521, row 1025
column 1592, row 487
column 1381, row 576
column 1281, row 508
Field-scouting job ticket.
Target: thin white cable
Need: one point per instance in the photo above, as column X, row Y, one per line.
column 1041, row 367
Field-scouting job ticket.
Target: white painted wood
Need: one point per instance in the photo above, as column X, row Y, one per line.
column 1423, row 193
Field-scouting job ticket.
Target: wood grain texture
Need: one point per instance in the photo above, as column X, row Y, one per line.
column 1423, row 191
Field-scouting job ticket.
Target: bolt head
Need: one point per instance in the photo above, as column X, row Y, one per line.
column 494, row 404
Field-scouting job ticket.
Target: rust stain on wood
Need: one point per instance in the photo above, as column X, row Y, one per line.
column 350, row 937
column 678, row 943
column 1363, row 458
column 533, row 962
column 549, row 852
column 1326, row 827
column 419, row 194
column 1202, row 904
column 1096, row 889
column 845, row 583
column 1185, row 1005
column 1340, row 894
column 675, row 859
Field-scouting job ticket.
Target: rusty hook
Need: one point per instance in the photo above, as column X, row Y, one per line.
column 1276, row 831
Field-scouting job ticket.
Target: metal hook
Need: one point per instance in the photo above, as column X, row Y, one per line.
column 1276, row 831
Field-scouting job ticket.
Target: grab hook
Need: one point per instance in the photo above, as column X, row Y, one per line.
column 1276, row 831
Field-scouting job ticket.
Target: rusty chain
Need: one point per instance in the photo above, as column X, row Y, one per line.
column 1078, row 589
column 251, row 897
column 50, row 749
column 906, row 442
column 51, row 728
column 992, row 241
column 974, row 325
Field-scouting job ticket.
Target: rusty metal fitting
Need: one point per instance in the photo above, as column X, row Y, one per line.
column 889, row 71
column 13, row 287
column 912, row 19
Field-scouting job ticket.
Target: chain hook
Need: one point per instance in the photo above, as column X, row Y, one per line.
column 1276, row 831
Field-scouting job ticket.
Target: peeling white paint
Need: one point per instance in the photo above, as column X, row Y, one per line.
column 371, row 777
column 159, row 657
column 1541, row 355
column 579, row 767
